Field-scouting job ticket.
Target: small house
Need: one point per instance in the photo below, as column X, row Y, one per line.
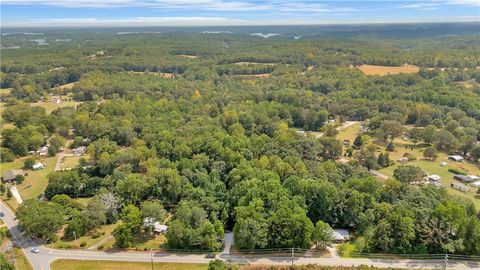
column 433, row 178
column 38, row 166
column 55, row 99
column 43, row 151
column 460, row 186
column 456, row 158
column 341, row 235
column 158, row 228
column 79, row 151
column 11, row 175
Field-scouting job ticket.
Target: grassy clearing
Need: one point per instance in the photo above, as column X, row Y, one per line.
column 67, row 86
column 349, row 133
column 50, row 106
column 89, row 240
column 140, row 242
column 385, row 70
column 5, row 91
column 108, row 265
column 36, row 181
column 432, row 167
column 70, row 162
column 21, row 262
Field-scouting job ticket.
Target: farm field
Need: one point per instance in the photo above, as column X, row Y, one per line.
column 386, row 70
column 50, row 106
column 112, row 265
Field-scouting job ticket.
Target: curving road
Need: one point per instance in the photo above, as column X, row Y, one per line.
column 42, row 260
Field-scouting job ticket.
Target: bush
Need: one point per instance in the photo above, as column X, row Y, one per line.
column 19, row 179
column 410, row 156
column 390, row 147
column 457, row 171
column 95, row 234
column 82, row 244
column 28, row 163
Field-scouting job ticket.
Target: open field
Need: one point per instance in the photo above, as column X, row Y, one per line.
column 5, row 91
column 67, row 86
column 467, row 84
column 107, row 265
column 385, row 70
column 50, row 106
column 254, row 63
column 252, row 76
column 188, row 56
column 432, row 167
column 36, row 181
column 349, row 133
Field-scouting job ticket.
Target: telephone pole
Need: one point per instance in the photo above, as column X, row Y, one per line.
column 151, row 258
column 446, row 261
column 293, row 254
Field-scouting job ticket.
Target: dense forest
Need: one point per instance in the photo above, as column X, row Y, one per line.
column 204, row 127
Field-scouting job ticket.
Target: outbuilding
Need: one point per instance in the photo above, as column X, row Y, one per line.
column 455, row 158
column 460, row 186
column 38, row 166
column 79, row 151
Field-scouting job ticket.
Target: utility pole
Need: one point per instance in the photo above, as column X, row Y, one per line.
column 151, row 258
column 446, row 261
column 293, row 254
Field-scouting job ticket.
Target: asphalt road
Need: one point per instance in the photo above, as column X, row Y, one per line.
column 42, row 260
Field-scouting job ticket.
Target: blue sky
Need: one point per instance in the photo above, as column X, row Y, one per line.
column 230, row 12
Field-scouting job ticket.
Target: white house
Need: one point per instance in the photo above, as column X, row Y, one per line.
column 341, row 235
column 38, row 166
column 158, row 228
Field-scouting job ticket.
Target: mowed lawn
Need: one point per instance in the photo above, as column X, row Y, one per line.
column 112, row 265
column 433, row 167
column 50, row 106
column 104, row 231
column 36, row 181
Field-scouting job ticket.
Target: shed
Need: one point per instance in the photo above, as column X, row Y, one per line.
column 38, row 166
column 460, row 186
column 341, row 235
column 11, row 175
column 455, row 158
column 434, row 178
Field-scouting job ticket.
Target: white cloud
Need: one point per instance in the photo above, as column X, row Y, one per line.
column 136, row 21
column 419, row 5
column 220, row 5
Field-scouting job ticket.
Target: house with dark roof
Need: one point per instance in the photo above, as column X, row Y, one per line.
column 11, row 175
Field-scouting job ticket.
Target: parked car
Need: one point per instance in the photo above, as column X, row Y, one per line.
column 35, row 250
column 210, row 256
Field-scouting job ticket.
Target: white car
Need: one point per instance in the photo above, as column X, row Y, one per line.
column 35, row 250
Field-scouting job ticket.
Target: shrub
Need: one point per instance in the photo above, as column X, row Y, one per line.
column 390, row 147
column 410, row 156
column 82, row 244
column 28, row 163
column 95, row 234
column 457, row 171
